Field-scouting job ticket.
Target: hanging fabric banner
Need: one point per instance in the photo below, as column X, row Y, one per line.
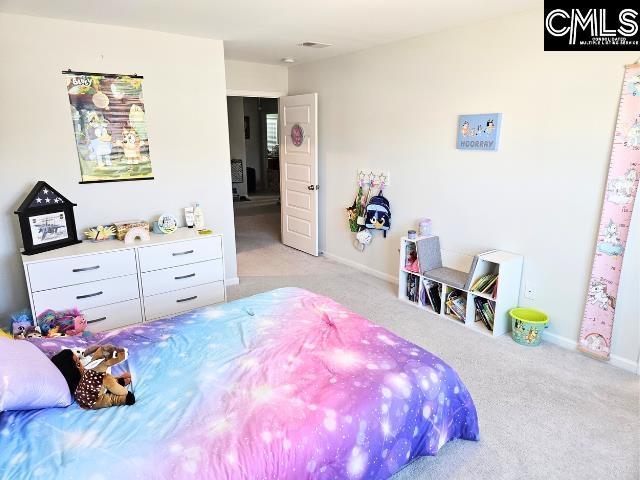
column 110, row 128
column 622, row 185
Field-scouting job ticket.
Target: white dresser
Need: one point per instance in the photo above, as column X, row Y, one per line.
column 116, row 284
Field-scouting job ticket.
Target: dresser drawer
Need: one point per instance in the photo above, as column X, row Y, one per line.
column 179, row 253
column 85, row 268
column 166, row 304
column 113, row 316
column 87, row 295
column 174, row 278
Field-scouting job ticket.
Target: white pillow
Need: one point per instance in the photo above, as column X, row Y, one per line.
column 28, row 379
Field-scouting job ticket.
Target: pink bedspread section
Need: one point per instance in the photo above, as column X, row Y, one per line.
column 283, row 385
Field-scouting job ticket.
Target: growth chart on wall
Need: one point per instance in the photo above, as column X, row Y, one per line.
column 622, row 185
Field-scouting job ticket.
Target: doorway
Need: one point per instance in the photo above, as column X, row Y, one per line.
column 255, row 170
column 274, row 166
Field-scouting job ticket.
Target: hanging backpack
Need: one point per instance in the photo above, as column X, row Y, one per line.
column 378, row 213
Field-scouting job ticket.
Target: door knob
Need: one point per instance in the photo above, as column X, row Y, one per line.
column 311, row 187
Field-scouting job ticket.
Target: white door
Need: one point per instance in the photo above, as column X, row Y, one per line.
column 299, row 171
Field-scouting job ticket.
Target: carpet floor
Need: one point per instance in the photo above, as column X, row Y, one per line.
column 545, row 413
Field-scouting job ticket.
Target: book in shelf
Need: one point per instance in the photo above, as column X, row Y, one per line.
column 485, row 311
column 430, row 295
column 487, row 284
column 457, row 304
column 412, row 287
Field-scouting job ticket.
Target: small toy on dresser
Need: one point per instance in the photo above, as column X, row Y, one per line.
column 122, row 228
column 89, row 379
column 166, row 224
column 101, row 232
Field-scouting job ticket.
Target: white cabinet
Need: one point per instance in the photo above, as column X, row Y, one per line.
column 115, row 284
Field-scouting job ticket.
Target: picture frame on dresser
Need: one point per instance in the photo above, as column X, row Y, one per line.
column 46, row 220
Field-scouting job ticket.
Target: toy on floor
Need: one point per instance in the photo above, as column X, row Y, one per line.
column 89, row 378
column 21, row 323
column 22, row 331
column 64, row 322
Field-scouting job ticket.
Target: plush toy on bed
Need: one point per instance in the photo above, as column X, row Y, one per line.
column 89, row 377
column 64, row 322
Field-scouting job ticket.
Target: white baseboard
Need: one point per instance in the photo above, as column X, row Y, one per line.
column 358, row 266
column 563, row 342
column 615, row 360
column 625, row 364
column 231, row 281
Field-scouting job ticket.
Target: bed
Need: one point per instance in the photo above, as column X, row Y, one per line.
column 286, row 384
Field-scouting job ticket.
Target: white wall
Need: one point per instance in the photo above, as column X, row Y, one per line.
column 249, row 79
column 235, row 109
column 184, row 92
column 395, row 107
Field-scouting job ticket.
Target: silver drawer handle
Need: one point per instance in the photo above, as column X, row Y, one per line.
column 97, row 320
column 85, row 269
column 182, row 277
column 79, row 297
column 175, row 254
column 180, row 300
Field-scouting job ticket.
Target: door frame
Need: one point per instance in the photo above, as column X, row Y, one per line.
column 275, row 94
column 255, row 93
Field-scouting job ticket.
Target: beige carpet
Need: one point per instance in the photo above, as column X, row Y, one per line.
column 545, row 413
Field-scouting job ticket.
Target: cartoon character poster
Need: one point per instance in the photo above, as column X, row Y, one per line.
column 109, row 124
column 479, row 132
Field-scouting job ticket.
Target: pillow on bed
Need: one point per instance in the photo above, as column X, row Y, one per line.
column 28, row 379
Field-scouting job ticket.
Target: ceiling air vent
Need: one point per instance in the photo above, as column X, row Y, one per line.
column 314, row 45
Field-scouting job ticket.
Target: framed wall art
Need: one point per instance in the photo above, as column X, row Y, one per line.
column 479, row 131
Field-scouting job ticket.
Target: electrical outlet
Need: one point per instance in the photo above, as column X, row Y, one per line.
column 530, row 291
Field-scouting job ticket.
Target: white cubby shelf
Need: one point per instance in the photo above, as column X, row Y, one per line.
column 444, row 283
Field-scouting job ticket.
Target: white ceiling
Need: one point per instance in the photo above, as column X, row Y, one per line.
column 267, row 30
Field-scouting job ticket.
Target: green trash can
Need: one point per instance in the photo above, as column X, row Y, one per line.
column 527, row 325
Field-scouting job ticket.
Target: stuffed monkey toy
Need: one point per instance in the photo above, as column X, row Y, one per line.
column 89, row 378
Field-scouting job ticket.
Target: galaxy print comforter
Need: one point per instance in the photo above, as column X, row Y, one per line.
column 282, row 385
